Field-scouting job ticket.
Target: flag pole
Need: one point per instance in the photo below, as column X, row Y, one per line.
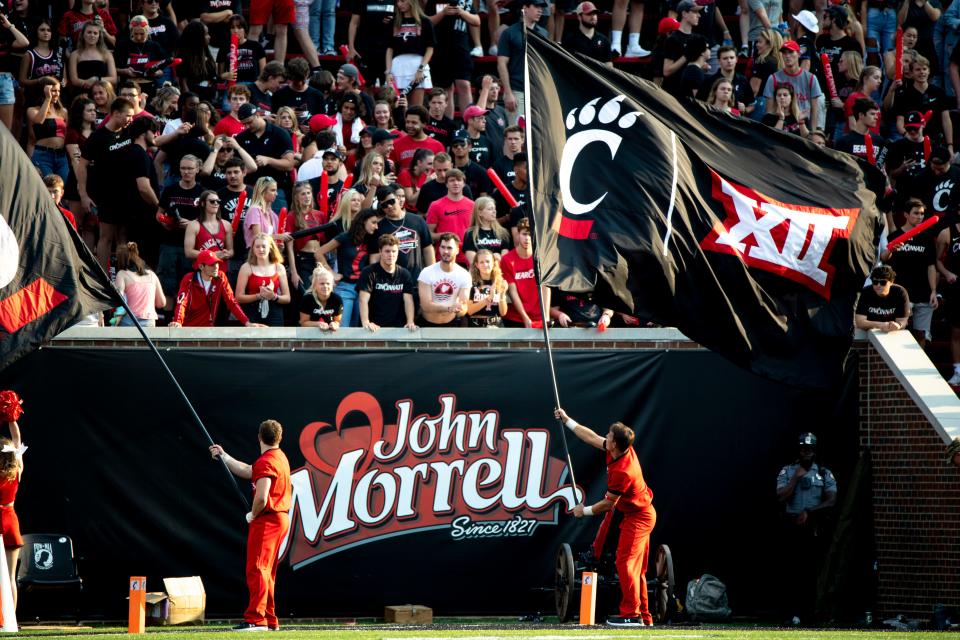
column 544, row 312
column 173, row 378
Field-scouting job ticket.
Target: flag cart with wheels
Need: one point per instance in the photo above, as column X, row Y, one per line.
column 569, row 567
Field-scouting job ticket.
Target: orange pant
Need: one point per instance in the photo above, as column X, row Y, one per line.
column 633, row 550
column 263, row 544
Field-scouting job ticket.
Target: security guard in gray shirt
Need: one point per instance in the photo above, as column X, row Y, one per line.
column 804, row 486
column 808, row 491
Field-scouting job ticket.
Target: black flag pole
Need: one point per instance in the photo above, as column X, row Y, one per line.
column 183, row 395
column 544, row 312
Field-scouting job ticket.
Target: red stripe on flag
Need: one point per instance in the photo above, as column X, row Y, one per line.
column 575, row 229
column 30, row 303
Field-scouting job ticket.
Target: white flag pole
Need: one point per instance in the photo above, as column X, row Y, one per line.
column 6, row 594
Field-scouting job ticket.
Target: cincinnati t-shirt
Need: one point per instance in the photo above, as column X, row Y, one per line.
column 485, row 239
column 386, row 294
column 327, row 311
column 883, row 308
column 912, row 261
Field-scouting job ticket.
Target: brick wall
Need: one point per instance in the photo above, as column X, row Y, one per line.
column 916, row 497
column 916, row 494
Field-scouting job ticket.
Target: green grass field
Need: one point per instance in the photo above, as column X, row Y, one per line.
column 484, row 632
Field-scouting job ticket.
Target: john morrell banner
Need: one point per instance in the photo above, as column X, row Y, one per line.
column 428, row 477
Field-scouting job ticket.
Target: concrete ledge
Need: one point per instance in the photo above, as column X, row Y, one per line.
column 356, row 334
column 920, row 378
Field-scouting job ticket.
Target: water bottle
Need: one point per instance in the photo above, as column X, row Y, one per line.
column 728, row 42
column 783, row 28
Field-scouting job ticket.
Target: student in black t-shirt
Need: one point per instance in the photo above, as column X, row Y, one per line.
column 784, row 113
column 137, row 182
column 271, row 148
column 915, row 261
column 410, row 230
column 179, row 204
column 251, row 58
column 485, row 232
column 304, row 99
column 585, row 39
column 920, row 95
column 410, row 50
column 439, row 126
column 100, row 162
column 883, row 305
column 320, row 306
column 229, row 199
column 475, row 175
column 369, row 32
column 385, row 290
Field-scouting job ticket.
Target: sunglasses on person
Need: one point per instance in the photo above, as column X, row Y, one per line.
column 388, row 203
column 212, row 201
column 880, row 283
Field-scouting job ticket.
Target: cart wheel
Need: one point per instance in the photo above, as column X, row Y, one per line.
column 664, row 605
column 565, row 582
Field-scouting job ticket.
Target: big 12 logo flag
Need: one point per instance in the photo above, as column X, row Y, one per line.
column 48, row 278
column 444, row 467
column 753, row 242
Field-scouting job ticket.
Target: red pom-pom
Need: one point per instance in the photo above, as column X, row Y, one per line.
column 11, row 406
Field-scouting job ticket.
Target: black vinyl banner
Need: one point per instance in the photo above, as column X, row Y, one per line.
column 429, row 477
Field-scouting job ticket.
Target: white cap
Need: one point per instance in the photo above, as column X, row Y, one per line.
column 809, row 21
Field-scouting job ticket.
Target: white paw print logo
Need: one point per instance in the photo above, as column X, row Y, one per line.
column 608, row 115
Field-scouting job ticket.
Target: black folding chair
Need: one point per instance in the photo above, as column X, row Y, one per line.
column 47, row 564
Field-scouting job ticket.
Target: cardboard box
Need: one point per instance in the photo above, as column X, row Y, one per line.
column 184, row 600
column 408, row 614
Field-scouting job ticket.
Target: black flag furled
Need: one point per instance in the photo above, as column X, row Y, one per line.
column 48, row 278
column 752, row 242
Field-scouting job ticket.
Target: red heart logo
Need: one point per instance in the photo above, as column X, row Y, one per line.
column 334, row 441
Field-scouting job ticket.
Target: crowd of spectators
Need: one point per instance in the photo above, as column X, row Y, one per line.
column 303, row 181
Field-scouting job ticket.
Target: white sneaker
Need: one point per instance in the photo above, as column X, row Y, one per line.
column 476, row 52
column 492, row 50
column 955, row 380
column 635, row 51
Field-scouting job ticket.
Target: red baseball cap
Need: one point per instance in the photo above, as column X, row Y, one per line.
column 207, row 257
column 667, row 26
column 473, row 112
column 320, row 122
column 790, row 45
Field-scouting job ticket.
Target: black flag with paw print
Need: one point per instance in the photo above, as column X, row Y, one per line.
column 753, row 242
column 48, row 278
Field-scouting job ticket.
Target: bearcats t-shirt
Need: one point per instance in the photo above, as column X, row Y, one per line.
column 327, row 311
column 911, row 260
column 519, row 271
column 273, row 464
column 446, row 286
column 386, row 294
column 625, row 480
column 883, row 309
